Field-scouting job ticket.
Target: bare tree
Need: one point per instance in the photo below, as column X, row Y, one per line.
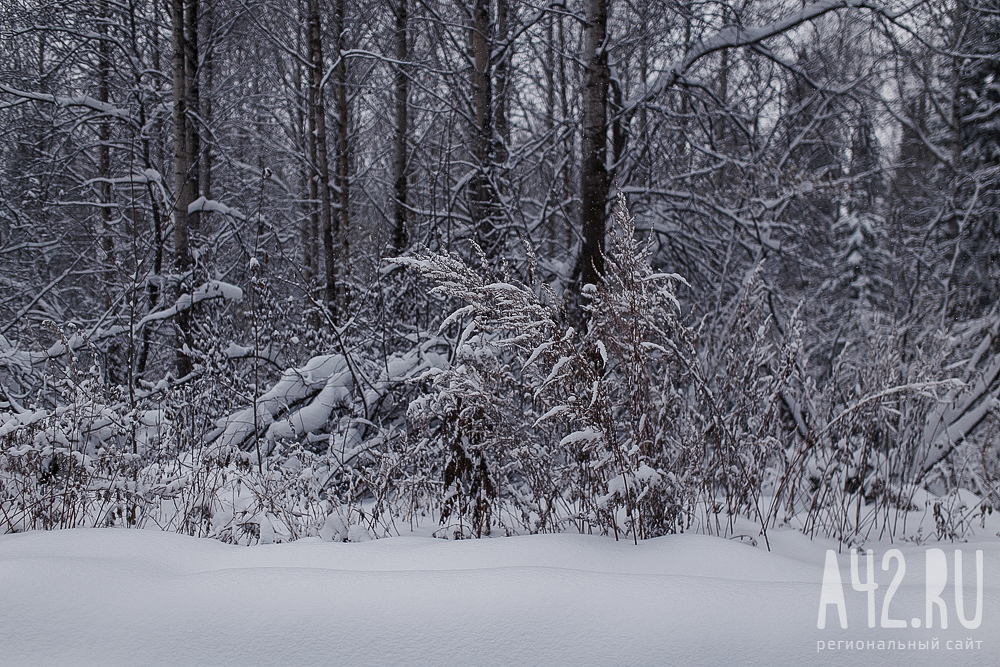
column 183, row 195
column 329, row 228
column 400, row 237
column 593, row 147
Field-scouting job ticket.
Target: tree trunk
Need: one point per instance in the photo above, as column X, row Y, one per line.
column 106, row 233
column 618, row 136
column 104, row 160
column 311, row 222
column 399, row 234
column 500, row 121
column 482, row 134
column 343, row 181
column 326, row 222
column 566, row 177
column 205, row 169
column 310, row 219
column 548, row 169
column 182, row 186
column 593, row 149
column 642, row 163
column 682, row 138
column 960, row 28
column 193, row 108
column 153, row 285
column 720, row 126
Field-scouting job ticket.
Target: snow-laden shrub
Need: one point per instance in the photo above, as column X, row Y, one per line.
column 509, row 419
column 637, row 367
column 474, row 431
column 73, row 460
column 536, row 425
column 887, row 434
column 87, row 453
column 744, row 373
column 231, row 500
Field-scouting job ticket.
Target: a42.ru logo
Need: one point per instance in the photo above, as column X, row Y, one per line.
column 936, row 580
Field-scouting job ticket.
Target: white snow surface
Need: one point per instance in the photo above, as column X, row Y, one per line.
column 142, row 597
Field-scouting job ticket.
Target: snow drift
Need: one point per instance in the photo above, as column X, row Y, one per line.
column 134, row 597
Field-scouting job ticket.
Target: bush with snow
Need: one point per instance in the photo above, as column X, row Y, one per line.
column 617, row 428
column 511, row 417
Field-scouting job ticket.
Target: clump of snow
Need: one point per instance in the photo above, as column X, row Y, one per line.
column 213, row 289
column 235, row 351
column 325, row 382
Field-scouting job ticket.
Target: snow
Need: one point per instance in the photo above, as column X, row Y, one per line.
column 76, row 342
column 78, row 101
column 213, row 289
column 326, row 379
column 312, row 417
column 127, row 597
column 586, row 435
column 203, row 204
column 235, row 351
column 537, row 351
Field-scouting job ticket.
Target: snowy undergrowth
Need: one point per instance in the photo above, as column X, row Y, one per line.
column 513, row 418
column 642, row 424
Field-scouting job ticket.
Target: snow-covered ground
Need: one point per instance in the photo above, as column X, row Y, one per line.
column 142, row 597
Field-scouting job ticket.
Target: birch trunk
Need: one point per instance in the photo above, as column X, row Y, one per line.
column 182, row 187
column 326, row 222
column 399, row 235
column 593, row 149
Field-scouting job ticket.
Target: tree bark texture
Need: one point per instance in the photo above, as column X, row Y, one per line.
column 182, row 185
column 593, row 168
column 328, row 225
column 400, row 237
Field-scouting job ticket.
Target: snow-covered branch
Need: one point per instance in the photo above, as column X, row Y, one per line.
column 104, row 108
column 734, row 37
column 214, row 289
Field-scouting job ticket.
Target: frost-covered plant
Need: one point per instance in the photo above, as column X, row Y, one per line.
column 478, row 417
column 72, row 460
column 534, row 417
column 891, row 431
column 637, row 361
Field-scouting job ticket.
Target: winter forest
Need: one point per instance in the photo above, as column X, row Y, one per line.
column 275, row 269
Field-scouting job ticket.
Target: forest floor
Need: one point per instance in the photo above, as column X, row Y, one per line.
column 143, row 597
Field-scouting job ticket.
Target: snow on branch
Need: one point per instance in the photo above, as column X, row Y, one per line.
column 148, row 176
column 959, row 414
column 203, row 204
column 323, row 384
column 736, row 36
column 214, row 289
column 77, row 341
column 78, row 101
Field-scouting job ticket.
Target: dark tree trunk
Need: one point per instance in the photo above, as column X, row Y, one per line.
column 207, row 110
column 720, row 139
column 343, row 180
column 593, row 149
column 502, row 76
column 104, row 160
column 311, row 222
column 182, row 185
column 318, row 112
column 481, row 208
column 310, row 219
column 153, row 291
column 400, row 237
column 567, row 178
column 193, row 108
